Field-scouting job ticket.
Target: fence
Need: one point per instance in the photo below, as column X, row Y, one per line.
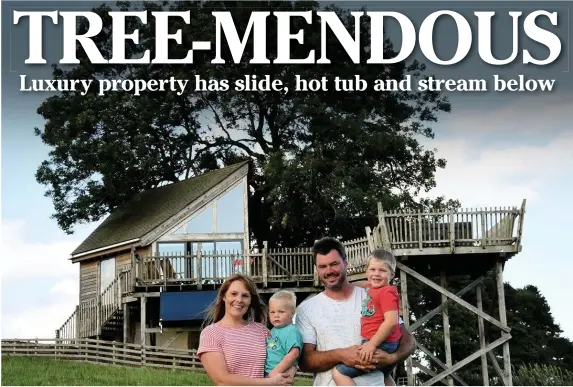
column 108, row 352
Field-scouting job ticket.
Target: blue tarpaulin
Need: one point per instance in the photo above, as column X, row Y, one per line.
column 179, row 306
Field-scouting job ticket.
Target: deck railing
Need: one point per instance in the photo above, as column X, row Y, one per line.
column 399, row 230
column 357, row 251
column 214, row 267
column 480, row 227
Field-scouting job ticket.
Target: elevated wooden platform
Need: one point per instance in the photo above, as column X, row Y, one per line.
column 427, row 245
column 466, row 241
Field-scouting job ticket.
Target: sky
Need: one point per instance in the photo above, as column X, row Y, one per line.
column 501, row 148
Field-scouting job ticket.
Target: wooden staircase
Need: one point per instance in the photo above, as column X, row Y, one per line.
column 112, row 328
column 100, row 317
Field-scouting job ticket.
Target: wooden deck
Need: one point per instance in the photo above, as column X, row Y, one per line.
column 468, row 241
column 437, row 237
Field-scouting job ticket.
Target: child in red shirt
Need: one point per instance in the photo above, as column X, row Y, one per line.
column 380, row 328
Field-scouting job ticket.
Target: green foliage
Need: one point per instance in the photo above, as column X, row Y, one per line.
column 320, row 161
column 542, row 375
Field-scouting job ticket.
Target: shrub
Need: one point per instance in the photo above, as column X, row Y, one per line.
column 542, row 375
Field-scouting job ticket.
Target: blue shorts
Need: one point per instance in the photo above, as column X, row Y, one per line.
column 354, row 372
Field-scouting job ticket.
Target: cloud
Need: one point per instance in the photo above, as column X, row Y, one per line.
column 508, row 115
column 36, row 311
column 502, row 175
column 40, row 320
column 500, row 157
column 29, row 260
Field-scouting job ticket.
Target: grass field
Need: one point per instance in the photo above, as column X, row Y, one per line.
column 41, row 371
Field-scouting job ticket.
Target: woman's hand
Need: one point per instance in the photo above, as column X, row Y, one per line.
column 282, row 379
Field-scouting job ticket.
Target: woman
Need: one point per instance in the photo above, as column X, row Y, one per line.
column 232, row 345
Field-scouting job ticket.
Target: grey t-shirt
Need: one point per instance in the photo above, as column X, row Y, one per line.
column 331, row 324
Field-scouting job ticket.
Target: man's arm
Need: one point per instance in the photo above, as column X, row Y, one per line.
column 407, row 345
column 320, row 361
column 405, row 349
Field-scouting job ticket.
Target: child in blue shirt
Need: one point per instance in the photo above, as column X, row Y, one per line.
column 284, row 345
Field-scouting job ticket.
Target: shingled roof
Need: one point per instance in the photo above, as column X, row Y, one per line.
column 149, row 209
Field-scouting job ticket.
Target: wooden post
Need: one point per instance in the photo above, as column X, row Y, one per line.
column 98, row 302
column 78, row 324
column 406, row 318
column 483, row 229
column 265, row 259
column 420, row 233
column 56, row 341
column 119, row 287
column 370, row 238
column 520, row 228
column 165, row 258
column 452, row 236
column 446, row 322
column 484, row 372
column 134, row 271
column 247, row 242
column 143, row 323
column 199, row 266
column 126, row 322
column 383, row 229
column 503, row 320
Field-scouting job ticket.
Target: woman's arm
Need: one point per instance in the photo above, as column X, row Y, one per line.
column 214, row 364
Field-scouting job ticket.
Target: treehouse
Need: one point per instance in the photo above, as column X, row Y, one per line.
column 150, row 270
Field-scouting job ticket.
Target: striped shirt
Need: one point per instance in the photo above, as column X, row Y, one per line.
column 244, row 348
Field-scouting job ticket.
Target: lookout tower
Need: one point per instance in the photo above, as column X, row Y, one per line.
column 462, row 242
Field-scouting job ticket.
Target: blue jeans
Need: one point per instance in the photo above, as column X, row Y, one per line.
column 354, row 372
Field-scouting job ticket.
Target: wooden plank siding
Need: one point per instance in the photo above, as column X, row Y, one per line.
column 89, row 273
column 122, row 262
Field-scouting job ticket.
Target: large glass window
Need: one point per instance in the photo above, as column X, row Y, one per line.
column 202, row 222
column 229, row 216
column 107, row 273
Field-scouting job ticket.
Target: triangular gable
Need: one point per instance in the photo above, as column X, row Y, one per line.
column 152, row 211
column 223, row 214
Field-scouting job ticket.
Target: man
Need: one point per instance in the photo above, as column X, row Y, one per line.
column 330, row 324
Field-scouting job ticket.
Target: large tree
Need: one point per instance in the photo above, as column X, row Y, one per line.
column 320, row 161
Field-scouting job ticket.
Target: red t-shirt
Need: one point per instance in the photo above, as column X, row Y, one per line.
column 375, row 304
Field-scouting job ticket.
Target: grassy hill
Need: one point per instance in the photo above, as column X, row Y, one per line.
column 40, row 371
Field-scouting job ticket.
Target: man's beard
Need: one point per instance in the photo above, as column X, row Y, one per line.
column 337, row 284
